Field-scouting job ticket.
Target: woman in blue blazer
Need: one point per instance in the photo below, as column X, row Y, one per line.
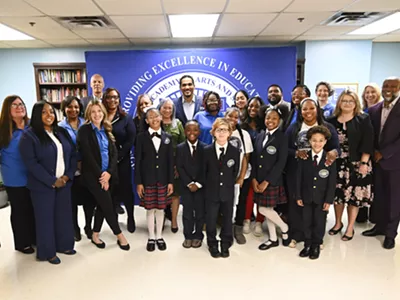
column 50, row 157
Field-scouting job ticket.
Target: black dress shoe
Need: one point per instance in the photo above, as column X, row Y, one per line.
column 174, row 230
column 389, row 243
column 88, row 232
column 268, row 244
column 161, row 245
column 151, row 245
column 305, row 252
column 27, row 250
column 70, row 252
column 372, row 232
column 314, row 253
column 101, row 245
column 214, row 251
column 131, row 225
column 224, row 252
column 123, row 247
column 77, row 235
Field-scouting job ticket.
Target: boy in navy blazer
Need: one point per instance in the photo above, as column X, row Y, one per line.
column 221, row 163
column 315, row 190
column 190, row 156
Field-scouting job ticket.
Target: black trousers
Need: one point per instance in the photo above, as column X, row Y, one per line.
column 214, row 208
column 193, row 215
column 241, row 206
column 22, row 217
column 81, row 196
column 124, row 192
column 386, row 205
column 105, row 209
column 314, row 219
column 295, row 214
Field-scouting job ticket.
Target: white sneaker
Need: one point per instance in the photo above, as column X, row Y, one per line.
column 258, row 230
column 246, row 226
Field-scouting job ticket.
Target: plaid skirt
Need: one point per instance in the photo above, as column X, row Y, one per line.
column 155, row 197
column 272, row 196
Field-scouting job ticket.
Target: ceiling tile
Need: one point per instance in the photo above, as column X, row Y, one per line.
column 191, row 41
column 318, row 5
column 109, row 41
column 29, row 44
column 330, row 30
column 100, row 33
column 374, row 5
column 288, row 23
column 66, row 8
column 387, row 38
column 64, row 42
column 193, row 6
column 334, row 37
column 232, row 40
column 142, row 26
column 256, row 6
column 17, row 8
column 130, row 7
column 244, row 24
column 397, row 32
column 356, row 37
column 45, row 27
column 165, row 41
column 275, row 38
column 313, row 38
column 2, row 45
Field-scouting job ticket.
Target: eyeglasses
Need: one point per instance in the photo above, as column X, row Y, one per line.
column 112, row 98
column 221, row 130
column 17, row 105
column 348, row 101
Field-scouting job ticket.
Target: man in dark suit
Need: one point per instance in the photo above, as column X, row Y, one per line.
column 385, row 117
column 97, row 85
column 188, row 104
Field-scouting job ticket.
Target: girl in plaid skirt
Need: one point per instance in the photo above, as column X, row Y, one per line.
column 268, row 162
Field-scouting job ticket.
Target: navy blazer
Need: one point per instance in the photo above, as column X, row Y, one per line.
column 315, row 184
column 124, row 131
column 153, row 167
column 89, row 148
column 180, row 113
column 220, row 181
column 190, row 169
column 360, row 135
column 41, row 159
column 268, row 162
column 388, row 141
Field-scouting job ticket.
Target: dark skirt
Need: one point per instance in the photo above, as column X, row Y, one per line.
column 155, row 197
column 271, row 197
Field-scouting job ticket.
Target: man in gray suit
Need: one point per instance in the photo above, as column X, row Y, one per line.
column 97, row 85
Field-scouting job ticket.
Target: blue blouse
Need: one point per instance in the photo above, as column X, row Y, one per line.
column 72, row 132
column 103, row 145
column 206, row 121
column 328, row 110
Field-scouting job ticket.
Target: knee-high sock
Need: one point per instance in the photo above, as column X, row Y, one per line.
column 272, row 230
column 159, row 222
column 150, row 223
column 273, row 216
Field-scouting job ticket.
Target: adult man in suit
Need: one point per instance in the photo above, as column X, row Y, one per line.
column 188, row 104
column 275, row 98
column 97, row 85
column 385, row 117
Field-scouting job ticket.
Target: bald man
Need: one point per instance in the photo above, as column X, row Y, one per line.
column 97, row 85
column 385, row 117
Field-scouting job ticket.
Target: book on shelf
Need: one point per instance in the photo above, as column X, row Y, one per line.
column 58, row 95
column 62, row 76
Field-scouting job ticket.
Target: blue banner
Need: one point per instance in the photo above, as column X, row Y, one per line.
column 157, row 72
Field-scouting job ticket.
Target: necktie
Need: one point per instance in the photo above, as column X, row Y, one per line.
column 315, row 162
column 386, row 104
column 155, row 134
column 221, row 155
column 194, row 151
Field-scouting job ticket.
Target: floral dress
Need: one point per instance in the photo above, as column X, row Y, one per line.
column 351, row 187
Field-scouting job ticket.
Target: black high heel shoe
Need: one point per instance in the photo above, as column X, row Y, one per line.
column 335, row 232
column 346, row 238
column 174, row 230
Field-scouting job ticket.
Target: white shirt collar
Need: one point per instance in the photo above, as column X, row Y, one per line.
column 319, row 155
column 272, row 131
column 151, row 130
column 193, row 100
column 218, row 146
column 190, row 144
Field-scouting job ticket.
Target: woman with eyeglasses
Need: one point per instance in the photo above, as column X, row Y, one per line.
column 354, row 177
column 212, row 103
column 124, row 131
column 13, row 122
column 299, row 92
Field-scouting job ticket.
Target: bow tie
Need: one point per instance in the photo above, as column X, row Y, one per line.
column 155, row 134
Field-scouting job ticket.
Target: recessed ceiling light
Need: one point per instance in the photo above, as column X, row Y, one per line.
column 190, row 26
column 382, row 26
column 9, row 34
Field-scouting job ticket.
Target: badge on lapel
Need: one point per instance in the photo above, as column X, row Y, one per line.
column 271, row 150
column 167, row 141
column 230, row 163
column 324, row 173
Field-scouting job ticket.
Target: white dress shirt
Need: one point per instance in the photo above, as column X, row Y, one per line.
column 386, row 111
column 188, row 107
column 60, row 165
column 319, row 156
column 266, row 135
column 218, row 150
column 191, row 153
column 156, row 140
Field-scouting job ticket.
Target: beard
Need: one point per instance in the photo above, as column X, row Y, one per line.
column 275, row 100
column 392, row 98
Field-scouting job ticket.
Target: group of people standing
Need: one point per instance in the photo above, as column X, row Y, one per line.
column 293, row 160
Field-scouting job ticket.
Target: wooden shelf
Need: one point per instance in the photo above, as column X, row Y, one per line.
column 63, row 83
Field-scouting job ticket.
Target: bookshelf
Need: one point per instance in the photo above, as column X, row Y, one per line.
column 55, row 81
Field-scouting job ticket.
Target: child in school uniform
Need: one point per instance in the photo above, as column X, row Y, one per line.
column 221, row 163
column 268, row 161
column 315, row 190
column 154, row 175
column 190, row 169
